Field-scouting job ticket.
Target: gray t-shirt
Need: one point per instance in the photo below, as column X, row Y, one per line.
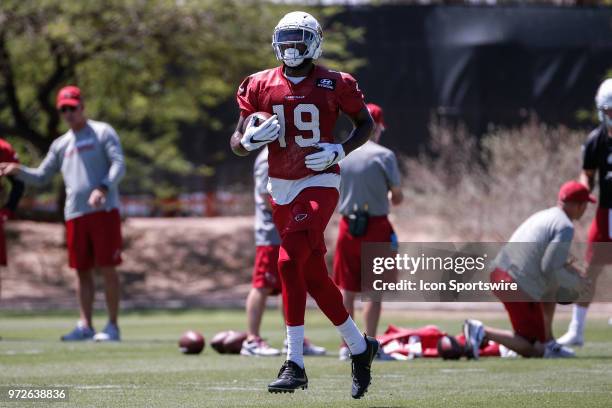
column 367, row 175
column 87, row 159
column 265, row 231
column 536, row 253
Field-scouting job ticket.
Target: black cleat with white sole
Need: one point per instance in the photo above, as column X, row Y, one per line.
column 290, row 377
column 360, row 366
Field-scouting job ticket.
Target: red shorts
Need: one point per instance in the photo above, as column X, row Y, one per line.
column 600, row 231
column 94, row 240
column 3, row 259
column 309, row 211
column 265, row 271
column 347, row 258
column 527, row 318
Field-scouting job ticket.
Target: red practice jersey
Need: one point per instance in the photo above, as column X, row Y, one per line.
column 7, row 153
column 307, row 112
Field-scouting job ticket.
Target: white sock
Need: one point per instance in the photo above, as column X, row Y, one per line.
column 295, row 344
column 352, row 336
column 578, row 319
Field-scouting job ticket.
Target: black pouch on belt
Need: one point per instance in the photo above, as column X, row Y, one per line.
column 358, row 223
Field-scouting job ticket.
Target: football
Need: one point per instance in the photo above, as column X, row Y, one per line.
column 260, row 117
column 449, row 348
column 191, row 342
column 217, row 341
column 233, row 342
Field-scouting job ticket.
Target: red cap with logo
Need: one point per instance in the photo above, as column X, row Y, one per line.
column 68, row 96
column 377, row 114
column 576, row 192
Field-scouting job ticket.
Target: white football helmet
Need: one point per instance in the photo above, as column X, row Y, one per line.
column 297, row 36
column 603, row 101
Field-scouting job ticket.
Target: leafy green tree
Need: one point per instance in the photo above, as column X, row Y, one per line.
column 145, row 66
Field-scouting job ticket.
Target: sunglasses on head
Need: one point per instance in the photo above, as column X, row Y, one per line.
column 64, row 109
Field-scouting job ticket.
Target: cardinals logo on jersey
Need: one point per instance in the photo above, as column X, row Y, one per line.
column 300, row 217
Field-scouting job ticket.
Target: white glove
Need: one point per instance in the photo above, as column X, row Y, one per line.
column 256, row 136
column 330, row 154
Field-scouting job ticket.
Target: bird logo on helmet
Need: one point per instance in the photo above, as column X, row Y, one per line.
column 603, row 101
column 296, row 38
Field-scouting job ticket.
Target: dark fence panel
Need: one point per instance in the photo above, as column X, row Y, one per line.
column 480, row 65
column 477, row 65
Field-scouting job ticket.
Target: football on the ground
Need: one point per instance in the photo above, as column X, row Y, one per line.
column 233, row 342
column 260, row 117
column 217, row 341
column 449, row 348
column 191, row 342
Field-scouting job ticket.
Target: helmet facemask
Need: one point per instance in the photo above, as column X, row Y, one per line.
column 606, row 119
column 603, row 102
column 293, row 45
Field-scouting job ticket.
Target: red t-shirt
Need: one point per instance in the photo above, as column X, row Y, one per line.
column 307, row 112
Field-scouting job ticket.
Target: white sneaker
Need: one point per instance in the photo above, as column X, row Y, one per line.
column 610, row 321
column 344, row 354
column 505, row 352
column 79, row 333
column 311, row 349
column 110, row 333
column 556, row 350
column 571, row 338
column 382, row 356
column 473, row 330
column 259, row 348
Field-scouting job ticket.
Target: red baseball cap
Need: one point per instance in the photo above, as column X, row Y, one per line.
column 68, row 96
column 377, row 114
column 575, row 191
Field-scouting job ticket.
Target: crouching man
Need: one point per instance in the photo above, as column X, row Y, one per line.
column 536, row 258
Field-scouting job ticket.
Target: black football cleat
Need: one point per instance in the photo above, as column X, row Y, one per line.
column 290, row 377
column 360, row 367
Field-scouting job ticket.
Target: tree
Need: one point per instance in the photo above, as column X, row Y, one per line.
column 146, row 67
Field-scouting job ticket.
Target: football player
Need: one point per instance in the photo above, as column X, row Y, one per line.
column 597, row 157
column 305, row 100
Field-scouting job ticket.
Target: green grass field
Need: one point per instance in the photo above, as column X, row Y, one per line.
column 147, row 370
